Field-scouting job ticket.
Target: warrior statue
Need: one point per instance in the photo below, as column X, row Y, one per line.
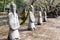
column 40, row 18
column 31, row 25
column 13, row 23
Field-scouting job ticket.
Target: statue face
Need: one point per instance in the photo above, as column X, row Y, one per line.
column 11, row 8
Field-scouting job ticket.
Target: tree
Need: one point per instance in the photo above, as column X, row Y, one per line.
column 22, row 9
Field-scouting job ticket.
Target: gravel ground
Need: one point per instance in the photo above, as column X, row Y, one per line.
column 49, row 30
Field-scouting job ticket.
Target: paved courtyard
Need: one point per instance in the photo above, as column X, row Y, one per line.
column 49, row 30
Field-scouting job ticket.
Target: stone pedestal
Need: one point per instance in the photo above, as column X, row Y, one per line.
column 13, row 35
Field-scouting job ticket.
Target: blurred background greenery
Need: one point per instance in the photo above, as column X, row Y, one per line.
column 24, row 5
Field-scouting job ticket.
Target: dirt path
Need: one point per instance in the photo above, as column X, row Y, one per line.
column 50, row 30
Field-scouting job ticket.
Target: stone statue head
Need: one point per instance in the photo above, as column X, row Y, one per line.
column 32, row 8
column 12, row 7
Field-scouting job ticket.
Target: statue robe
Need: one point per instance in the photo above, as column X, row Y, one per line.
column 14, row 25
column 31, row 20
column 40, row 18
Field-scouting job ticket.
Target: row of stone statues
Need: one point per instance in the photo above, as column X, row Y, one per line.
column 14, row 24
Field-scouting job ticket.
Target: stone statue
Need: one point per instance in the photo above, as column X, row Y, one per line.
column 31, row 25
column 13, row 23
column 44, row 15
column 40, row 18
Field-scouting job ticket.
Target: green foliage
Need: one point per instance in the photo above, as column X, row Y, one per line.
column 8, row 1
column 19, row 3
column 2, row 4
